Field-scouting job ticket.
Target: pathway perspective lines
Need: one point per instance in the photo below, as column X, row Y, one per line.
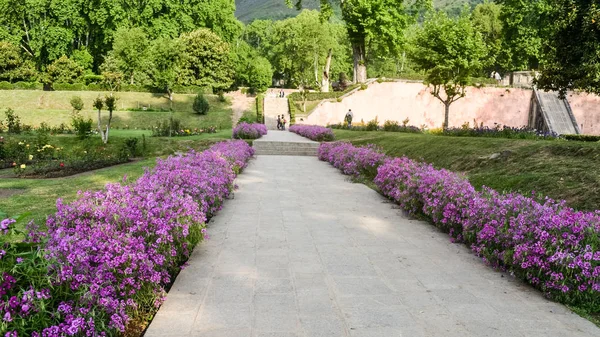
column 301, row 251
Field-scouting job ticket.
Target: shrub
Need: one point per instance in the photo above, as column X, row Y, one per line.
column 5, row 85
column 373, row 125
column 201, row 105
column 313, row 132
column 391, row 126
column 92, row 79
column 260, row 108
column 28, row 86
column 582, row 138
column 82, row 127
column 249, row 131
column 13, row 122
column 76, row 103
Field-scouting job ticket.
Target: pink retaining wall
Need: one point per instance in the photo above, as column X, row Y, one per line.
column 400, row 100
column 586, row 109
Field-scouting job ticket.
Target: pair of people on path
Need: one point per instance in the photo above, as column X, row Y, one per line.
column 349, row 116
column 282, row 94
column 281, row 122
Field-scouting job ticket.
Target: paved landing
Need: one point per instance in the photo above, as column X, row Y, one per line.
column 302, row 252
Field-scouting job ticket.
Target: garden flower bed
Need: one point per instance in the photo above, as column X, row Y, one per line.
column 313, row 132
column 249, row 131
column 108, row 257
column 551, row 246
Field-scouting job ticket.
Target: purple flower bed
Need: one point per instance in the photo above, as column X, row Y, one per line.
column 110, row 254
column 551, row 246
column 314, row 132
column 249, row 131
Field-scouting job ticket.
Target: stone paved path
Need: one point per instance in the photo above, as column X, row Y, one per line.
column 302, row 252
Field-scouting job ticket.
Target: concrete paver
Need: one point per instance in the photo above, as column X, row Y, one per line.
column 301, row 251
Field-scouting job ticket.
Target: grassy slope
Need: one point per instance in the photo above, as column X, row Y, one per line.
column 39, row 195
column 54, row 108
column 558, row 169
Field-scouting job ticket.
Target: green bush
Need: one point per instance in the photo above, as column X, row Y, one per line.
column 582, row 138
column 69, row 87
column 82, row 127
column 373, row 125
column 5, row 85
column 13, row 122
column 192, row 89
column 260, row 108
column 201, row 105
column 76, row 103
column 93, row 79
column 28, row 86
column 391, row 126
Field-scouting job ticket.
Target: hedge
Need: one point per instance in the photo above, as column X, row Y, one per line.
column 582, row 138
column 93, row 86
column 260, row 108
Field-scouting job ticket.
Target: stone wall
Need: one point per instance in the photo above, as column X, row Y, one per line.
column 400, row 100
column 586, row 108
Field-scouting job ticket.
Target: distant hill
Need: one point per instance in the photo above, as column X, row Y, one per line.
column 249, row 10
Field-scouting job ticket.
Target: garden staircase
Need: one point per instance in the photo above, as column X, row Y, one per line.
column 550, row 113
column 284, row 143
column 275, row 106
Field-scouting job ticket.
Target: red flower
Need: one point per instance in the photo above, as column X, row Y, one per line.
column 62, row 165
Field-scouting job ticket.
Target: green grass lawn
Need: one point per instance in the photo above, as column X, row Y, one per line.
column 53, row 108
column 38, row 196
column 558, row 169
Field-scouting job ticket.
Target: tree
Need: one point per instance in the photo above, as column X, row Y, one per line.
column 368, row 21
column 13, row 67
column 206, row 60
column 523, row 23
column 98, row 104
column 486, row 20
column 130, row 49
column 449, row 51
column 201, row 105
column 260, row 74
column 64, row 70
column 83, row 57
column 570, row 56
column 111, row 75
column 76, row 103
column 110, row 103
column 165, row 61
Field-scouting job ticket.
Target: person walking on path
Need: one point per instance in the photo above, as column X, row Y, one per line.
column 349, row 116
column 283, row 121
column 278, row 122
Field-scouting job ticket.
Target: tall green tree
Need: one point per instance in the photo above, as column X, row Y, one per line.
column 486, row 20
column 130, row 50
column 370, row 21
column 206, row 60
column 165, row 59
column 450, row 51
column 523, row 25
column 64, row 70
column 571, row 51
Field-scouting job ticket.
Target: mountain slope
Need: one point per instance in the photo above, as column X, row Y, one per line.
column 249, row 10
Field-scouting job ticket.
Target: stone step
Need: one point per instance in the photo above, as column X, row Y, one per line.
column 286, row 153
column 284, row 145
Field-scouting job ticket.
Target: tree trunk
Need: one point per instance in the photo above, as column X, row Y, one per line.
column 360, row 63
column 131, row 78
column 100, row 127
column 325, row 80
column 108, row 126
column 170, row 92
column 446, row 114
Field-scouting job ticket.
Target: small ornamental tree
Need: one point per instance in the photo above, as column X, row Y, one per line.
column 110, row 103
column 201, row 105
column 77, row 104
column 450, row 51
